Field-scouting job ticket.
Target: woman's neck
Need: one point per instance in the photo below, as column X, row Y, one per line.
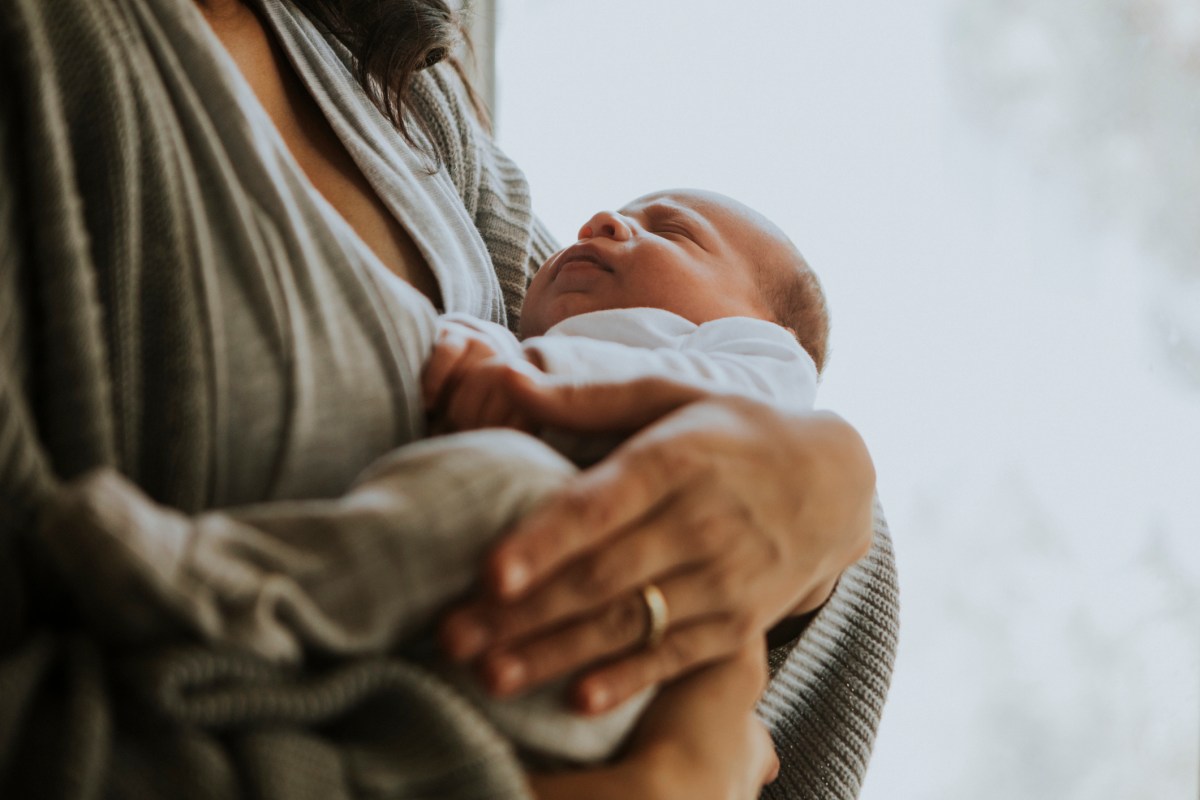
column 222, row 9
column 314, row 144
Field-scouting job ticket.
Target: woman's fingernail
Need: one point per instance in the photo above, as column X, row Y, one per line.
column 507, row 673
column 514, row 577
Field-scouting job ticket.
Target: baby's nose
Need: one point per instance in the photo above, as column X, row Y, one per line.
column 608, row 225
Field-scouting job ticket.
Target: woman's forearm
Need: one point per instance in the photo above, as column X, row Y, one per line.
column 621, row 781
column 647, row 773
column 699, row 740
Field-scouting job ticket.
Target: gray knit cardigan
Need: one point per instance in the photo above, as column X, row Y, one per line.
column 129, row 230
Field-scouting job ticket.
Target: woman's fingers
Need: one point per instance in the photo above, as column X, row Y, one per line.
column 581, row 590
column 684, row 649
column 620, row 629
column 668, row 543
column 624, row 488
column 593, row 509
column 675, row 541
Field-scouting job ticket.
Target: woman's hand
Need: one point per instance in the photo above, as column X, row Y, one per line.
column 698, row 740
column 739, row 512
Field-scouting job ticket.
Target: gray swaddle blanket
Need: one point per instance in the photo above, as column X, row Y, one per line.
column 359, row 575
column 179, row 308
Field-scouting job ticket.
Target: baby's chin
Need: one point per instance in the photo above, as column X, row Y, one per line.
column 536, row 321
column 528, row 328
column 542, row 316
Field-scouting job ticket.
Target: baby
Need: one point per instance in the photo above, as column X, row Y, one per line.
column 686, row 284
column 682, row 284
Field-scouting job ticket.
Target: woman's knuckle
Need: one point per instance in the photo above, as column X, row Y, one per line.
column 622, row 620
column 574, row 502
column 741, row 513
column 673, row 460
column 709, row 534
column 724, row 587
column 579, row 503
column 593, row 579
column 741, row 628
column 680, row 652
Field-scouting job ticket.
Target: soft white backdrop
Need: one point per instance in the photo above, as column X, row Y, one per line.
column 1003, row 201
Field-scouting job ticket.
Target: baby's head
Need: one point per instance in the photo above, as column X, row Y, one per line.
column 698, row 254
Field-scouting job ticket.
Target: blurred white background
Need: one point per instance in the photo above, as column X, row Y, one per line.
column 1003, row 200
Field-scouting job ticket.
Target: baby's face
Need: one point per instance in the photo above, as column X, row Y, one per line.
column 694, row 253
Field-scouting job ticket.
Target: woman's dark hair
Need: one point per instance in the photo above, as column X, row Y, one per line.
column 391, row 41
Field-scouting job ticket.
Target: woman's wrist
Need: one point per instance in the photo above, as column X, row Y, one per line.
column 792, row 626
column 647, row 774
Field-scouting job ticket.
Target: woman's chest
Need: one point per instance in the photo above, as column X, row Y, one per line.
column 317, row 149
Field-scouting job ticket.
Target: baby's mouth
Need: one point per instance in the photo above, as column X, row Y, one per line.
column 578, row 258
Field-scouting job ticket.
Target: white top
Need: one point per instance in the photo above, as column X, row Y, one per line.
column 739, row 355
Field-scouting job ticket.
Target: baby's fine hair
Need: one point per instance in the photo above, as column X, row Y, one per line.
column 796, row 300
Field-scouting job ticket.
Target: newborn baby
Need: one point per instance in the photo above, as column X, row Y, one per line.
column 684, row 284
column 688, row 285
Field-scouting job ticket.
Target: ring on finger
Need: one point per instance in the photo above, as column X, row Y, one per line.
column 658, row 616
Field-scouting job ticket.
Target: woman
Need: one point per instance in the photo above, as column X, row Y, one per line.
column 218, row 269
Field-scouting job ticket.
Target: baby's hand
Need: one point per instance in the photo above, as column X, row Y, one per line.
column 465, row 384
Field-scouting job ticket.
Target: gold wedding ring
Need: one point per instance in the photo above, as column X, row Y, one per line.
column 657, row 616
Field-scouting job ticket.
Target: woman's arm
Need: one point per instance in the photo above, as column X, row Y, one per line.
column 831, row 682
column 699, row 739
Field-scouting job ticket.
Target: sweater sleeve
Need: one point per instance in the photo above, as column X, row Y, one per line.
column 825, row 698
column 492, row 187
column 105, row 687
column 122, row 616
column 25, row 474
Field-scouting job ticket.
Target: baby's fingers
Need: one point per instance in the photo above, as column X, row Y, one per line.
column 467, row 401
column 449, row 349
column 477, row 397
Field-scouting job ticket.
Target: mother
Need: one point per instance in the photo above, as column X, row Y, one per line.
column 221, row 230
